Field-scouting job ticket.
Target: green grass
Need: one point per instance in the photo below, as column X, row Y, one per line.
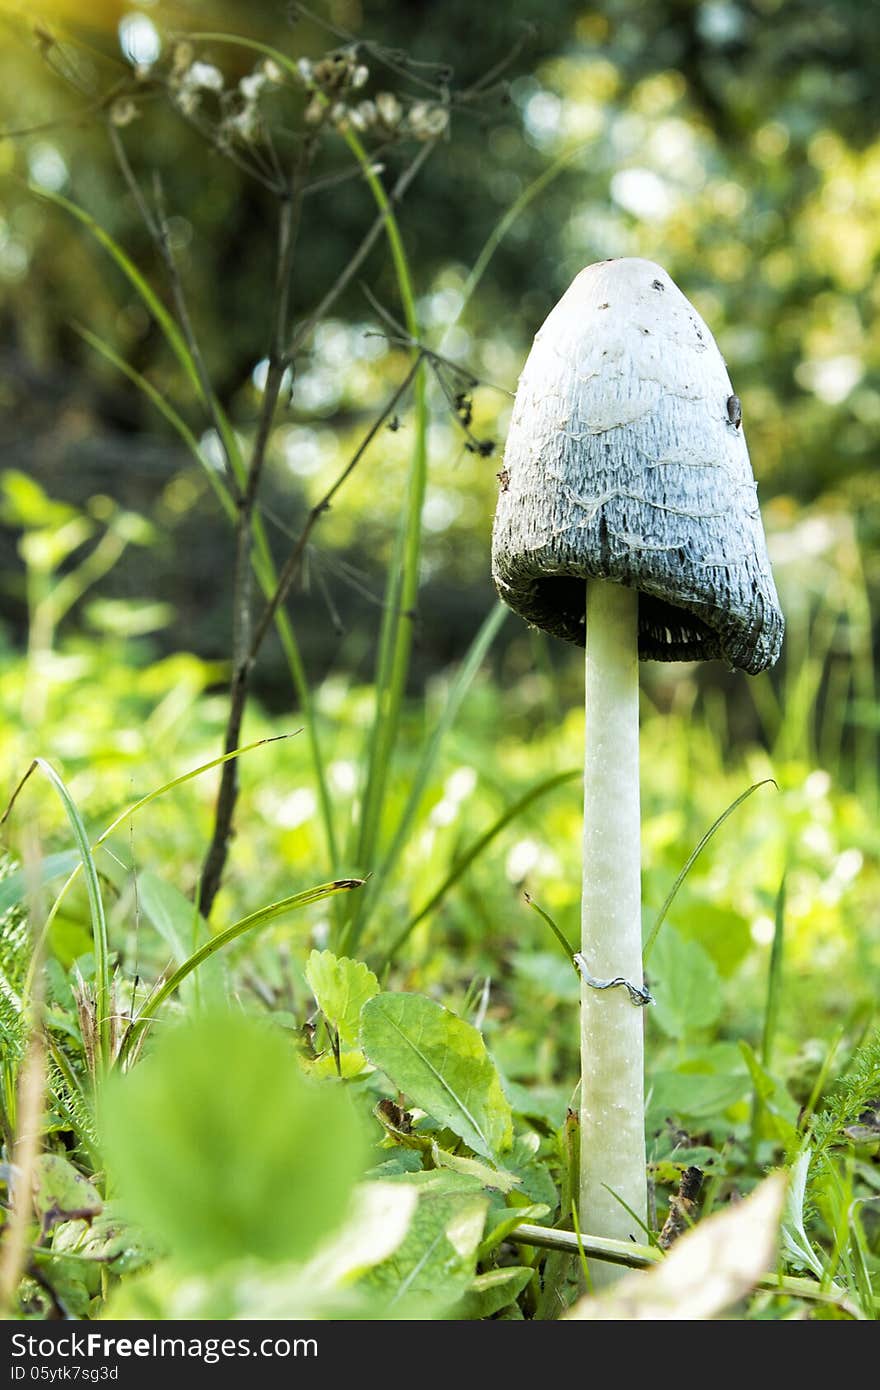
column 483, row 823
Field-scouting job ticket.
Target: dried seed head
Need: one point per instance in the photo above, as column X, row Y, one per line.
column 427, row 122
column 182, row 57
column 314, row 112
column 251, row 86
column 123, row 112
column 363, row 116
column 203, row 77
column 389, row 109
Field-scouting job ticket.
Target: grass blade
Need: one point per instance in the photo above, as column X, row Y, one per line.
column 692, row 858
column 774, row 981
column 556, row 930
column 465, row 860
column 468, row 669
column 255, row 920
column 162, row 405
column 506, row 221
column 130, row 810
column 139, row 283
column 264, row 567
column 771, row 1013
column 96, row 903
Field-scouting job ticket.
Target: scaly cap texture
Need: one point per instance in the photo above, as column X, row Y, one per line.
column 626, row 460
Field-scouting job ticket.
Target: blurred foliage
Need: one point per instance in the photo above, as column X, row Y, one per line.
column 734, row 142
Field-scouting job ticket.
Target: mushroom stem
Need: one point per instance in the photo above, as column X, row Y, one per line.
column 612, row 1061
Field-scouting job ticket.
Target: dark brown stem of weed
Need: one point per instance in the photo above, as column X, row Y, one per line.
column 294, row 560
column 360, row 255
column 244, row 647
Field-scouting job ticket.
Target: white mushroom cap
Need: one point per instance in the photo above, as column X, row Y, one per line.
column 626, row 461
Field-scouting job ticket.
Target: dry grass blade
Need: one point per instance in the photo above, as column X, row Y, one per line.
column 711, row 1268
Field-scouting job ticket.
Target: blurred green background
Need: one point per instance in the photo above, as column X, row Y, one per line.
column 735, row 142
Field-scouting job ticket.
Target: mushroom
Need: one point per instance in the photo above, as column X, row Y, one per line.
column 628, row 523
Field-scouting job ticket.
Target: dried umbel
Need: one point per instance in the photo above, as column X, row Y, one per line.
column 626, row 460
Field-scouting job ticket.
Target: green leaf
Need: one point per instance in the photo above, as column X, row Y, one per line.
column 221, row 1149
column 466, row 857
column 209, row 948
column 341, row 986
column 173, row 915
column 495, row 1178
column 62, row 1193
column 108, row 1240
column 795, row 1241
column 694, row 856
column 435, row 1264
column 14, row 889
column 503, row 1220
column 536, row 1184
column 441, row 1063
column 685, row 984
column 777, row 1110
column 721, row 931
column 491, row 1292
column 695, row 1095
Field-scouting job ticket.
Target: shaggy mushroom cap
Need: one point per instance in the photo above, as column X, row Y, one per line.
column 626, row 461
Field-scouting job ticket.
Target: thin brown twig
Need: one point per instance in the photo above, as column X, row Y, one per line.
column 401, row 338
column 192, row 342
column 360, row 255
column 243, row 644
column 292, row 564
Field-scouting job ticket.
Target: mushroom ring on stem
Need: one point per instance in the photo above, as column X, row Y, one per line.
column 629, row 524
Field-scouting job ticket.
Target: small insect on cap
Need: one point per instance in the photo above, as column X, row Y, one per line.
column 626, row 460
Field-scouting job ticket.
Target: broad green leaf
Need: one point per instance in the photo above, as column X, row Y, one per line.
column 221, row 1150
column 436, row 1262
column 535, row 1182
column 62, row 1193
column 15, row 887
column 498, row 1179
column 73, row 1282
column 721, row 931
column 341, row 986
column 402, row 1161
column 108, row 1240
column 695, row 1095
column 491, row 1292
column 374, row 1228
column 440, row 1062
column 685, row 984
column 172, row 915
